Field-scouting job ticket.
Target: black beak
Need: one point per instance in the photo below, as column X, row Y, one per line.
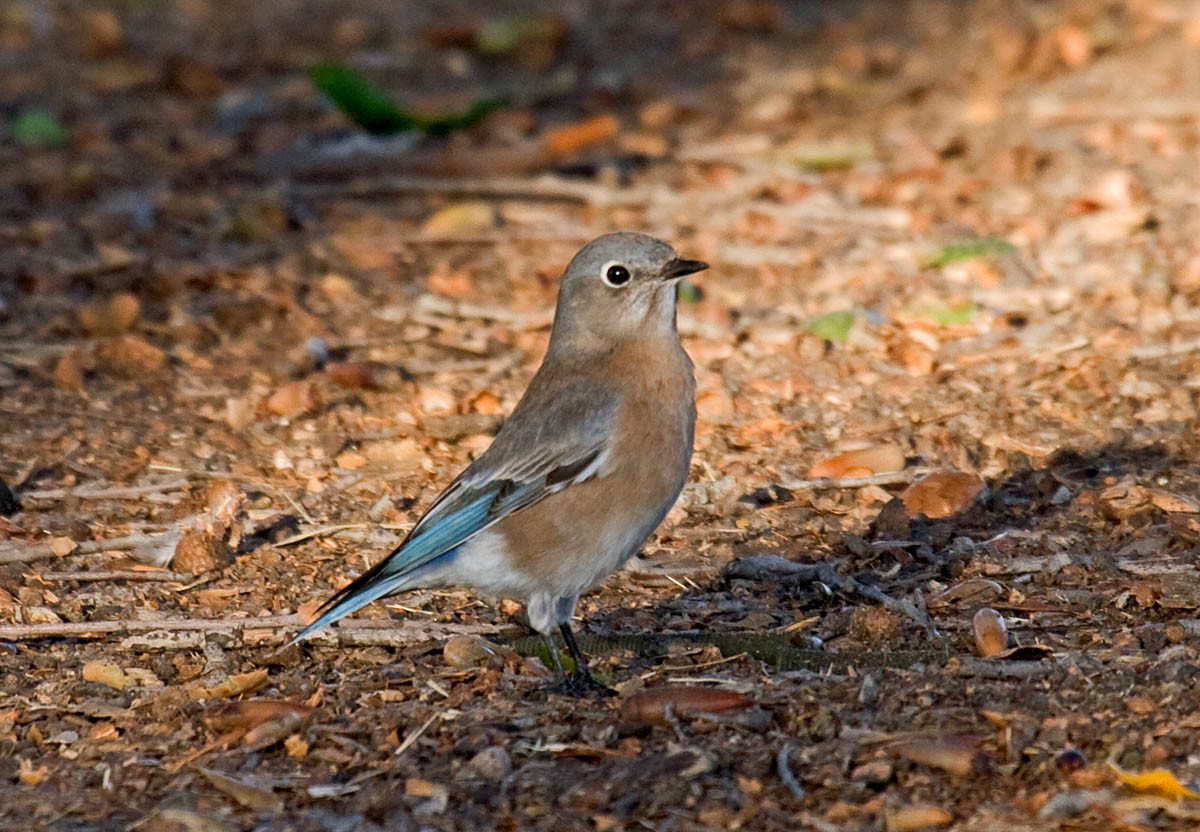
column 679, row 268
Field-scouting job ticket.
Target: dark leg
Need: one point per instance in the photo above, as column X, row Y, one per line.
column 560, row 675
column 581, row 682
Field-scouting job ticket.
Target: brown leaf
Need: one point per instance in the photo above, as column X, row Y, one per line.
column 106, row 673
column 916, row 817
column 877, row 459
column 569, row 138
column 365, row 375
column 991, row 633
column 130, row 356
column 1166, row 501
column 955, row 754
column 654, row 705
column 250, row 713
column 248, row 795
column 292, row 399
column 459, row 218
column 29, row 775
column 232, row 686
column 67, row 373
column 472, row 651
column 199, row 551
column 941, row 494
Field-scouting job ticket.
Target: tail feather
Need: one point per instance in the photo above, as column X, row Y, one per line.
column 370, row 586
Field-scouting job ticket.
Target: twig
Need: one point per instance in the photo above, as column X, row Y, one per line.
column 105, row 493
column 785, row 773
column 116, row 575
column 350, row 632
column 415, row 735
column 461, row 309
column 324, row 530
column 998, row 669
column 773, row 567
column 890, row 478
column 1150, row 351
column 29, row 554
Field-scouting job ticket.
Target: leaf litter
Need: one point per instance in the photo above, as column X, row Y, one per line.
column 980, row 272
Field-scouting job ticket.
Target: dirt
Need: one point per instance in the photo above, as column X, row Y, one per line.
column 247, row 344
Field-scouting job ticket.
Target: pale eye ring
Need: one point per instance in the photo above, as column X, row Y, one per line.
column 614, row 274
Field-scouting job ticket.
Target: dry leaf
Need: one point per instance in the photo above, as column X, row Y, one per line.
column 565, row 140
column 991, row 633
column 1158, row 781
column 955, row 754
column 29, row 775
column 653, row 705
column 365, row 375
column 295, row 746
column 247, row 794
column 232, row 686
column 877, row 459
column 292, row 399
column 106, row 673
column 1166, row 501
column 472, row 651
column 941, row 494
column 62, row 546
column 459, row 218
column 916, row 817
column 249, row 714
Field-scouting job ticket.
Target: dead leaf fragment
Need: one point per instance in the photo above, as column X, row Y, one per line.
column 569, row 138
column 472, row 651
column 459, row 218
column 199, row 551
column 29, row 775
column 955, row 754
column 232, row 686
column 247, row 794
column 941, row 494
column 654, row 705
column 250, row 713
column 292, row 399
column 67, row 373
column 106, row 673
column 130, row 357
column 295, row 746
column 1166, row 501
column 365, row 375
column 1158, row 781
column 991, row 633
column 62, row 546
column 916, row 817
column 877, row 459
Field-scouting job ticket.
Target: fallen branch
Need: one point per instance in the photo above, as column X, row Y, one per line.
column 106, row 493
column 116, row 575
column 994, row 669
column 772, row 567
column 42, row 551
column 889, row 478
column 352, row 632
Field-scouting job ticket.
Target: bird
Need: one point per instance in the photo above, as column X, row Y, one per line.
column 591, row 460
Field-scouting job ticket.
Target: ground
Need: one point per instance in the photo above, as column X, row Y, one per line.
column 246, row 344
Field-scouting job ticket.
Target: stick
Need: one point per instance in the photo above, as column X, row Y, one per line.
column 415, row 735
column 772, row 567
column 116, row 575
column 349, row 632
column 890, row 478
column 103, row 493
column 29, row 554
column 785, row 773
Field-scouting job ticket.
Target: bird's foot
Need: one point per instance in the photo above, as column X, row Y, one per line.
column 582, row 686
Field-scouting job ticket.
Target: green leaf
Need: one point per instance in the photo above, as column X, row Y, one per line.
column 946, row 314
column 832, row 326
column 373, row 110
column 967, row 250
column 37, row 128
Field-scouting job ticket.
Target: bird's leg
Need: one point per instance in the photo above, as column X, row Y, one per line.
column 560, row 675
column 581, row 682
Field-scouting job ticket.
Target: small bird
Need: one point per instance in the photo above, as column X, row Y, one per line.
column 590, row 462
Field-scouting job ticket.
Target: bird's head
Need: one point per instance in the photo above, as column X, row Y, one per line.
column 620, row 285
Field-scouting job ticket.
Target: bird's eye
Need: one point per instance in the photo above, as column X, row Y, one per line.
column 615, row 274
